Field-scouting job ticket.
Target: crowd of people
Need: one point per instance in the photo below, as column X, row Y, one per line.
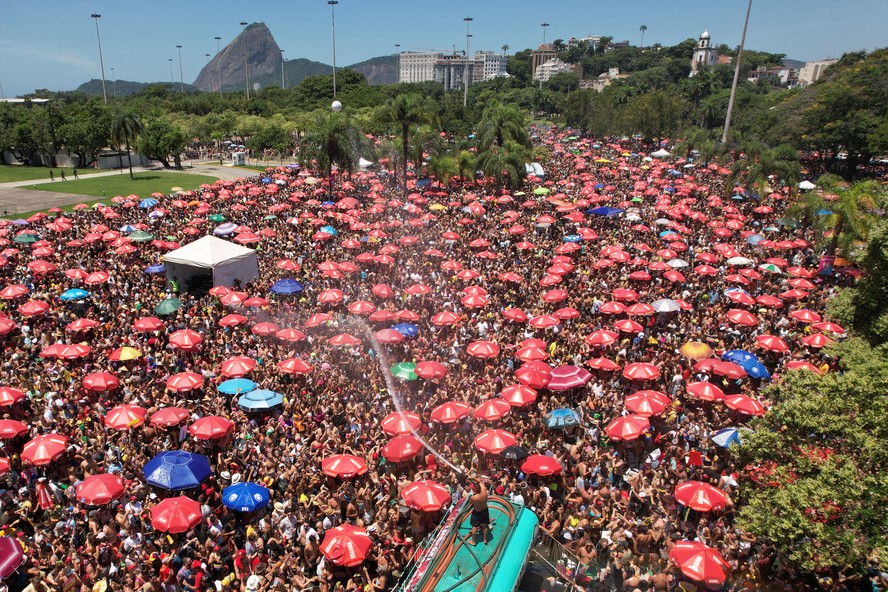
column 470, row 249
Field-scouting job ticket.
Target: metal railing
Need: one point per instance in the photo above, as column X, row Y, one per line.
column 559, row 561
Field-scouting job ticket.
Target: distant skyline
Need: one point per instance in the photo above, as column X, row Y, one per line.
column 52, row 44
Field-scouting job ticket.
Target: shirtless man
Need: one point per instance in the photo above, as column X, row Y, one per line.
column 480, row 513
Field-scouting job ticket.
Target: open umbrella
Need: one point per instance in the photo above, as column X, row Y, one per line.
column 100, row 382
column 483, row 349
column 168, row 306
column 628, row 427
column 491, row 410
column 176, row 514
column 426, row 496
column 494, row 441
column 402, row 448
column 287, row 286
column 567, row 377
column 236, row 386
column 124, row 417
column 562, row 418
column 346, row 545
column 450, row 412
column 169, row 416
column 401, row 422
column 430, row 370
column 647, row 403
column 700, row 563
column 744, row 404
column 186, row 339
column 211, row 427
column 100, row 489
column 184, row 382
column 260, row 400
column 237, row 366
column 540, row 464
column 518, row 395
column 11, row 556
column 294, row 366
column 10, row 396
column 148, row 324
column 177, row 469
column 44, row 449
column 343, row 466
column 404, row 370
column 700, row 496
column 705, row 391
column 641, row 371
column 245, row 497
column 12, row 428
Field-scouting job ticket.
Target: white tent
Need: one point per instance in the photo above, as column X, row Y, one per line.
column 226, row 262
column 661, row 153
column 807, row 185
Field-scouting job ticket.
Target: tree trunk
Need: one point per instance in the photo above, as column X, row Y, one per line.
column 834, row 241
column 129, row 158
column 177, row 159
column 164, row 162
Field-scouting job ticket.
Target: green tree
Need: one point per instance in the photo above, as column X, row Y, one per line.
column 465, row 164
column 642, row 28
column 501, row 124
column 760, row 166
column 161, row 140
column 271, row 137
column 333, row 140
column 504, row 163
column 125, row 128
column 405, row 113
column 850, row 220
column 86, row 131
column 656, row 114
column 442, row 167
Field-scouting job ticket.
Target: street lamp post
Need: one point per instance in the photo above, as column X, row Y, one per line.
column 468, row 20
column 246, row 66
column 283, row 82
column 206, row 55
column 398, row 52
column 172, row 80
column 736, row 76
column 97, row 16
column 544, row 26
column 333, row 4
column 181, row 77
column 218, row 51
column 113, row 84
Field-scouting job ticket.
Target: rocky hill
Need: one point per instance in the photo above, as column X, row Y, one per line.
column 380, row 70
column 255, row 46
column 124, row 88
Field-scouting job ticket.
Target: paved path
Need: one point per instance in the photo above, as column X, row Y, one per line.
column 14, row 197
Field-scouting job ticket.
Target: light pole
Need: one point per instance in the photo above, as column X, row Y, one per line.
column 283, row 83
column 218, row 51
column 736, row 76
column 468, row 20
column 113, row 83
column 398, row 52
column 97, row 16
column 181, row 77
column 172, row 80
column 246, row 66
column 333, row 4
column 206, row 55
column 544, row 26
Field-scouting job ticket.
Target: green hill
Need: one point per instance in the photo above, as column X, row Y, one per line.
column 125, row 88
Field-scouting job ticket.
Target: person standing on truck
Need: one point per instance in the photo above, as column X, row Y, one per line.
column 480, row 513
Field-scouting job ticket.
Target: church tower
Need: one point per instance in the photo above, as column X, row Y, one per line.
column 704, row 54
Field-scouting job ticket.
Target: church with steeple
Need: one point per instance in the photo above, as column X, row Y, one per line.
column 704, row 54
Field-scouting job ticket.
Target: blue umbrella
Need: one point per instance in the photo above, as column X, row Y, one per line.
column 266, row 180
column 824, row 212
column 176, row 470
column 148, row 202
column 755, row 369
column 236, row 386
column 245, row 497
column 599, row 186
column 156, row 268
column 739, row 356
column 287, row 286
column 406, row 329
column 605, row 211
column 260, row 400
column 573, row 238
column 329, row 230
column 562, row 418
column 754, row 239
column 726, row 437
column 74, row 294
column 128, row 228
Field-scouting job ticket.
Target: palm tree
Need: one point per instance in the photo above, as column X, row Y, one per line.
column 332, row 140
column 505, row 163
column 442, row 167
column 406, row 112
column 849, row 219
column 642, row 28
column 465, row 164
column 500, row 124
column 505, row 49
column 125, row 127
column 763, row 164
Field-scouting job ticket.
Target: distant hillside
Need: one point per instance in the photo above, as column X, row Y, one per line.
column 379, row 70
column 793, row 64
column 124, row 88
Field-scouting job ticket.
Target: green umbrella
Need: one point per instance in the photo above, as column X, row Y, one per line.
column 270, row 217
column 404, row 371
column 541, row 191
column 573, row 138
column 140, row 236
column 26, row 238
column 637, row 200
column 216, row 217
column 168, row 306
column 770, row 267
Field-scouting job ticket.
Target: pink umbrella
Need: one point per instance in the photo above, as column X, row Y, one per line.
column 567, row 377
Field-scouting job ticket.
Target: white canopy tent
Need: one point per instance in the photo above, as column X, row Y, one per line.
column 661, row 153
column 226, row 262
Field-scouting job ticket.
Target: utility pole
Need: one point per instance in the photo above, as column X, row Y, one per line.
column 181, row 77
column 97, row 16
column 544, row 26
column 218, row 51
column 333, row 4
column 283, row 83
column 468, row 20
column 113, row 83
column 246, row 65
column 736, row 76
column 172, row 80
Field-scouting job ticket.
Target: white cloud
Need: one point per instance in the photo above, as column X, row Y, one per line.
column 68, row 58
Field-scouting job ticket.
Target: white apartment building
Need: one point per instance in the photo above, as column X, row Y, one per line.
column 417, row 66
column 812, row 71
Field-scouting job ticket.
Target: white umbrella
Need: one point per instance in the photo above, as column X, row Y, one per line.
column 666, row 305
column 661, row 153
column 807, row 185
column 677, row 263
column 662, row 221
column 739, row 261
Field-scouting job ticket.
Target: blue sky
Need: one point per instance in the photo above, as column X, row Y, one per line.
column 52, row 43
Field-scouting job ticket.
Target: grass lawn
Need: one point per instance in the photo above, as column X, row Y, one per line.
column 12, row 173
column 143, row 185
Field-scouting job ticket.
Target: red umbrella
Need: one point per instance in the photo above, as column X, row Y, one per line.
column 771, row 343
column 401, row 422
column 516, row 315
column 740, row 297
column 361, row 307
column 294, row 366
column 11, row 428
column 445, row 318
column 169, row 416
column 186, row 339
column 567, row 377
column 430, row 370
column 184, row 382
column 534, row 375
column 176, row 514
column 628, row 427
column 769, row 301
column 11, row 554
column 601, row 337
column 518, row 395
column 44, row 449
column 700, row 563
column 803, row 365
column 742, row 317
column 97, row 277
column 149, row 324
column 531, row 353
column 33, row 308
column 494, row 441
column 829, row 327
column 124, row 417
column 97, row 490
column 540, row 464
column 12, row 292
column 744, row 404
column 264, row 329
column 317, row 319
column 10, row 395
column 232, row 320
column 705, row 391
column 729, row 370
column 603, row 364
column 344, row 340
column 641, row 309
column 81, row 325
column 628, row 326
column 554, row 296
column 700, row 496
column 101, row 382
column 544, row 321
column 401, row 448
column 427, row 496
column 483, row 349
column 346, row 545
column 290, row 334
column 382, row 291
column 389, row 336
column 343, row 466
column 641, row 371
column 647, row 403
column 211, row 427
column 331, row 296
column 237, row 366
column 450, row 412
column 6, row 325
column 817, row 340
column 491, row 410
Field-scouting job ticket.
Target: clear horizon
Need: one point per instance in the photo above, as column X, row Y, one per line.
column 52, row 44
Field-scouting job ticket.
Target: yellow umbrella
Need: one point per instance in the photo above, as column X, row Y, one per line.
column 695, row 350
column 437, row 207
column 176, row 189
column 129, row 353
column 602, row 160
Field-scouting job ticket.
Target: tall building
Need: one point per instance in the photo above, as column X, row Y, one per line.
column 450, row 69
column 416, row 66
column 540, row 56
column 489, row 65
column 704, row 54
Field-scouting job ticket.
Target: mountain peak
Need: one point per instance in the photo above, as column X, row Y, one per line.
column 254, row 48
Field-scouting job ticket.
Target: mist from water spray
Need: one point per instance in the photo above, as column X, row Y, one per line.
column 390, row 385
